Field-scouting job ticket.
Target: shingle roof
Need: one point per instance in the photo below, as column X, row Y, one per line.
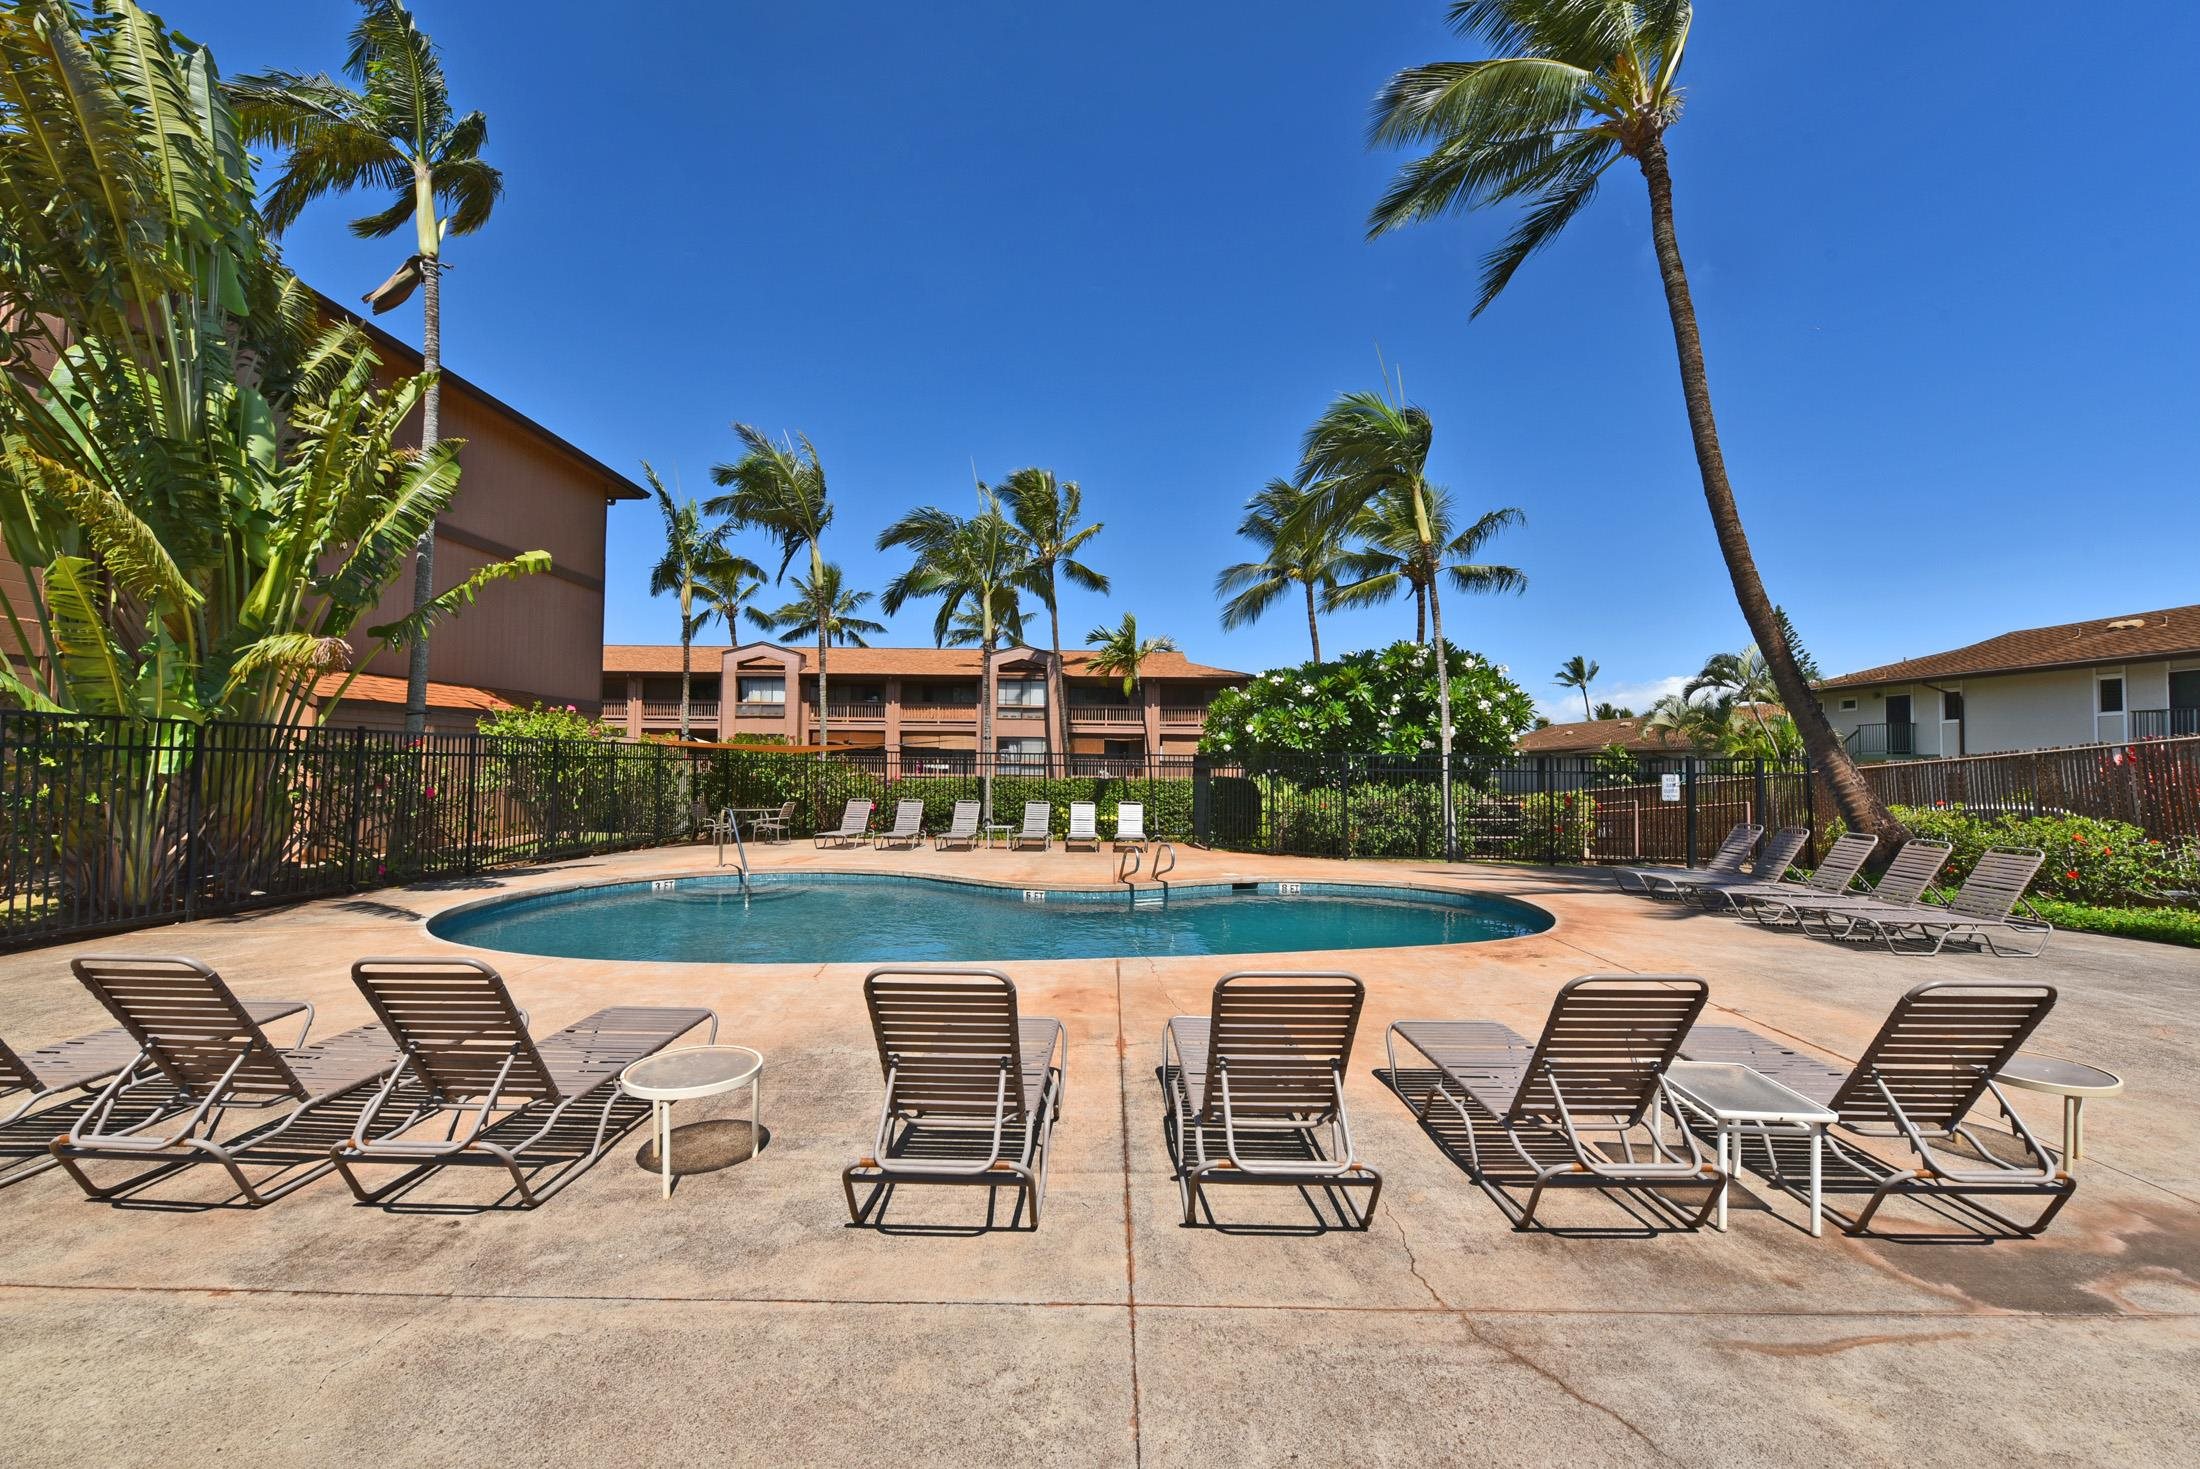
column 374, row 688
column 1586, row 736
column 2171, row 633
column 885, row 662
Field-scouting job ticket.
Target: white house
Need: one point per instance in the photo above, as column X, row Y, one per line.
column 2132, row 677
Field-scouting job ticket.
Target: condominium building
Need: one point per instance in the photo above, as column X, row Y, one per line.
column 914, row 705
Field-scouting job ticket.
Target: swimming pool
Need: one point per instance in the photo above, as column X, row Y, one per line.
column 861, row 918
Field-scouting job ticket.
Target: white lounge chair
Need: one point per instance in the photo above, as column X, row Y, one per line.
column 855, row 826
column 1084, row 826
column 908, row 825
column 962, row 830
column 1038, row 817
column 1130, row 824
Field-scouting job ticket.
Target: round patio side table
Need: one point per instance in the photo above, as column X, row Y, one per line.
column 2073, row 1081
column 689, row 1072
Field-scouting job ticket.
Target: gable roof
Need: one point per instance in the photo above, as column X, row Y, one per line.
column 889, row 662
column 1587, row 736
column 2171, row 633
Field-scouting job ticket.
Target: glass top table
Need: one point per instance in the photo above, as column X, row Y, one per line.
column 2073, row 1081
column 1737, row 1100
column 689, row 1072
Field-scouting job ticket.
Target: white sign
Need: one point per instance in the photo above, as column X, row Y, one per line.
column 1669, row 787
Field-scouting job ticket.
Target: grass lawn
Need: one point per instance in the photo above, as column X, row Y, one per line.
column 2162, row 925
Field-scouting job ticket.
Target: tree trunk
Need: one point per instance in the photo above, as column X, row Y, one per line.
column 824, row 619
column 1443, row 726
column 687, row 639
column 1586, row 711
column 1859, row 804
column 1313, row 628
column 431, row 429
column 1420, row 614
column 1057, row 686
column 986, row 754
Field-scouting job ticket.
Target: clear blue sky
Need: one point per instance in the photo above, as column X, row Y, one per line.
column 1946, row 270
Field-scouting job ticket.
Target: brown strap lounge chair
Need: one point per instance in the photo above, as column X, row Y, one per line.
column 908, row 826
column 1774, row 859
column 1255, row 1082
column 972, row 1088
column 962, row 828
column 854, row 828
column 1933, row 1060
column 1829, row 879
column 466, row 1046
column 1982, row 914
column 1903, row 883
column 196, row 1036
column 1598, row 1068
column 1038, row 817
column 1732, row 853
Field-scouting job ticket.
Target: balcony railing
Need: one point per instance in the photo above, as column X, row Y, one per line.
column 937, row 713
column 1883, row 741
column 1183, row 714
column 2162, row 724
column 1106, row 714
column 700, row 711
column 866, row 710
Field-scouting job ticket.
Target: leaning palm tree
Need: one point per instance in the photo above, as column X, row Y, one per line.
column 1045, row 512
column 1575, row 86
column 691, row 545
column 974, row 565
column 1367, row 451
column 1391, row 555
column 1119, row 650
column 823, row 609
column 395, row 131
column 1578, row 672
column 779, row 488
column 1296, row 548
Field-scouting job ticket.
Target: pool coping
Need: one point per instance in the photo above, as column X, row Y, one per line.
column 1204, row 887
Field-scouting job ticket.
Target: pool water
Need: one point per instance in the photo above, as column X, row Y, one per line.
column 850, row 918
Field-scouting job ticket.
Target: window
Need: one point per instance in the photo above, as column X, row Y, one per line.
column 762, row 690
column 1848, row 706
column 1032, row 752
column 1951, row 703
column 1023, row 693
column 2112, row 695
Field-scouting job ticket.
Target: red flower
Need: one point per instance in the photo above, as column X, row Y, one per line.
column 2107, row 852
column 2072, row 874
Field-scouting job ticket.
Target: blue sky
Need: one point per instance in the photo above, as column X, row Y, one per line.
column 1945, row 269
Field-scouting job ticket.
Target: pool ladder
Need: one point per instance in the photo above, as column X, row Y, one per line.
column 1126, row 873
column 740, row 849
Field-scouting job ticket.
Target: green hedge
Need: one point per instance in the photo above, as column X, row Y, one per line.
column 2089, row 859
column 820, row 789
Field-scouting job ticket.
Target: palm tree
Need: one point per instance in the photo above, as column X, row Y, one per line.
column 1578, row 672
column 1295, row 546
column 974, row 565
column 779, row 488
column 690, row 547
column 1606, row 709
column 1575, row 86
column 823, row 609
column 1045, row 512
column 1391, row 557
column 394, row 132
column 1366, row 451
column 1119, row 650
column 724, row 583
column 1706, row 724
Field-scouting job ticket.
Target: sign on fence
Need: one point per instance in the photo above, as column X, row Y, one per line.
column 1669, row 786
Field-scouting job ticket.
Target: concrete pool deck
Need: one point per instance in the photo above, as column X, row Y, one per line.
column 743, row 1321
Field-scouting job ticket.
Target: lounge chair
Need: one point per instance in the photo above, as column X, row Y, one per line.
column 1982, row 913
column 468, row 1051
column 199, row 1038
column 854, row 828
column 774, row 829
column 962, row 830
column 74, row 1071
column 1932, row 1061
column 1038, row 817
column 1732, row 853
column 1599, row 1067
column 1903, row 883
column 1255, row 1082
column 908, row 825
column 1130, row 825
column 1084, row 826
column 972, row 1088
column 1830, row 878
column 1697, row 885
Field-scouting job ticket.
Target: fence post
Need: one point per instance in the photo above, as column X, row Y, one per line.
column 1344, row 802
column 473, row 802
column 192, row 796
column 356, row 814
column 1688, row 780
column 1543, row 789
column 1757, row 779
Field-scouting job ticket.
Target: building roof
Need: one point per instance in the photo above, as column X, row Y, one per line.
column 1587, row 736
column 374, row 688
column 887, row 662
column 2171, row 633
column 616, row 486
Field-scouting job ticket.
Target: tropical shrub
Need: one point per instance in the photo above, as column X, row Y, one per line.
column 541, row 721
column 1377, row 702
column 1557, row 824
column 2090, row 860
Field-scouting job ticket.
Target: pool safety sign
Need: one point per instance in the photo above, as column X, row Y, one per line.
column 1669, row 787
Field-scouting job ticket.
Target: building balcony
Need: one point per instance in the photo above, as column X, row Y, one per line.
column 1194, row 714
column 1117, row 715
column 938, row 714
column 2162, row 724
column 865, row 713
column 1883, row 741
column 667, row 711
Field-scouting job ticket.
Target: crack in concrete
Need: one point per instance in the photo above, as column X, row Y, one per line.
column 1413, row 1261
column 1513, row 1354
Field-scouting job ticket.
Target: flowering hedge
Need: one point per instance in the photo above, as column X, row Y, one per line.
column 2089, row 859
column 1380, row 702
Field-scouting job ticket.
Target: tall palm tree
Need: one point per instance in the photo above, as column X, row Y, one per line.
column 724, row 584
column 1578, row 672
column 691, row 546
column 1391, row 555
column 779, row 488
column 975, row 566
column 394, row 131
column 1366, row 450
column 1119, row 650
column 824, row 609
column 1574, row 86
column 1045, row 511
column 1295, row 548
